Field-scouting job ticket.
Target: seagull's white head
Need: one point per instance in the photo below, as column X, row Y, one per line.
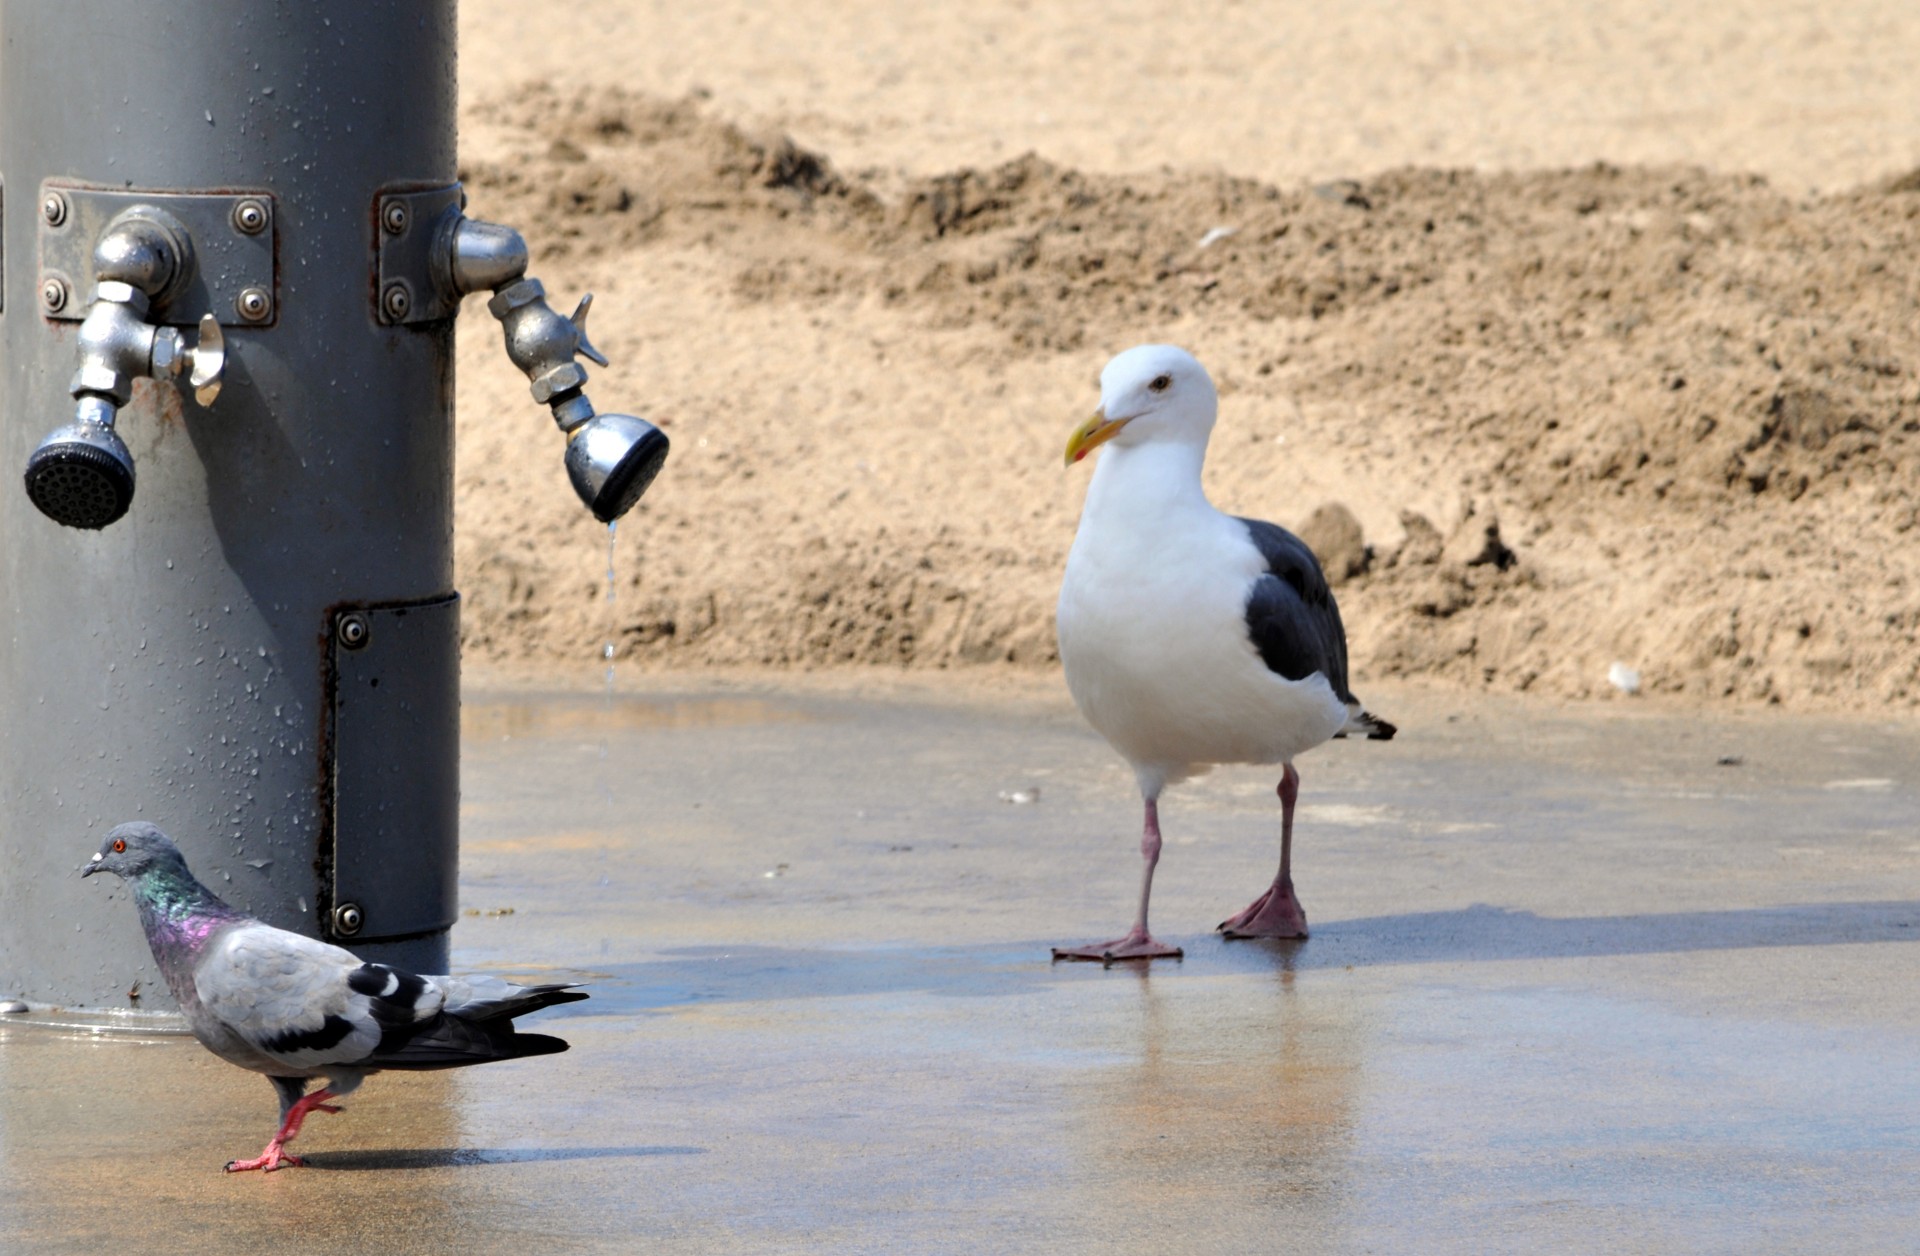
column 1152, row 392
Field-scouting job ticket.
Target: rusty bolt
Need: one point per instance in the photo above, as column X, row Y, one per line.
column 53, row 294
column 54, row 209
column 395, row 217
column 397, row 301
column 249, row 216
column 354, row 631
column 253, row 304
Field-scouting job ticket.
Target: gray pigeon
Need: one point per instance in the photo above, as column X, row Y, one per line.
column 294, row 1008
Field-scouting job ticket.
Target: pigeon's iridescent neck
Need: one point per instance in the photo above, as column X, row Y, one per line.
column 179, row 908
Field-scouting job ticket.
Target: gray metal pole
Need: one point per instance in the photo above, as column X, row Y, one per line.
column 253, row 206
column 186, row 665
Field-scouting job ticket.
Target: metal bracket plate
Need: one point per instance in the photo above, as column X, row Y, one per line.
column 394, row 770
column 406, row 225
column 228, row 261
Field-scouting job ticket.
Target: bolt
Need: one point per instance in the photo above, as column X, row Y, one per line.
column 354, row 631
column 54, row 209
column 395, row 217
column 253, row 304
column 249, row 216
column 397, row 301
column 348, row 919
column 53, row 294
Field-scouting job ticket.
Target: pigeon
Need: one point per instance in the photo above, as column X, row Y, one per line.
column 294, row 1008
column 1190, row 637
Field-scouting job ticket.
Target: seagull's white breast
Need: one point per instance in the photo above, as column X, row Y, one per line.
column 1153, row 636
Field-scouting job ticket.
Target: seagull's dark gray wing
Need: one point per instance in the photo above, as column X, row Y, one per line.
column 1291, row 615
column 1295, row 623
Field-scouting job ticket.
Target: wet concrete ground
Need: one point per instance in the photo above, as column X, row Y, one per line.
column 1581, row 980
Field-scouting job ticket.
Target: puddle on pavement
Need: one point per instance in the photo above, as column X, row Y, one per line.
column 499, row 719
column 1246, row 1104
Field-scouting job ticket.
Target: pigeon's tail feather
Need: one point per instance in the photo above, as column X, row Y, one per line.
column 454, row 1042
column 538, row 1044
column 514, row 1001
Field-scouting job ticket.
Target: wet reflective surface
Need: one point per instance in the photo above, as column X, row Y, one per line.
column 1592, row 980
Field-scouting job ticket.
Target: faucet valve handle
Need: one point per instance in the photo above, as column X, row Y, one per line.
column 209, row 361
column 203, row 363
column 579, row 321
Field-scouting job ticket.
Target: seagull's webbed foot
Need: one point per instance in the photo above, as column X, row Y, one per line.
column 1275, row 914
column 1138, row 944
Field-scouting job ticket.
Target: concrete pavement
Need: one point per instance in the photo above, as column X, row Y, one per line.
column 1581, row 979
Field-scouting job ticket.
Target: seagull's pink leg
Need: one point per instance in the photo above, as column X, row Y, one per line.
column 1138, row 944
column 273, row 1158
column 1277, row 913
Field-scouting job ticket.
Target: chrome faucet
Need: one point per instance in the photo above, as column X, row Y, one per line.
column 81, row 475
column 611, row 458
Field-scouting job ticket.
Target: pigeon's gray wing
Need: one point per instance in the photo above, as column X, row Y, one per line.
column 306, row 1004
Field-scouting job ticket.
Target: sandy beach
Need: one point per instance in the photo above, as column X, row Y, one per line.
column 1599, row 323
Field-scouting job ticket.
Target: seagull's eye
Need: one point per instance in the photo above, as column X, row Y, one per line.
column 119, row 845
column 1161, row 383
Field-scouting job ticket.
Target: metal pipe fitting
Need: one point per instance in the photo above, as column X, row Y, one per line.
column 148, row 248
column 81, row 475
column 482, row 255
column 611, row 458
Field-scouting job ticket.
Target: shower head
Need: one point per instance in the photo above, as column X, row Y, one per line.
column 611, row 459
column 82, row 474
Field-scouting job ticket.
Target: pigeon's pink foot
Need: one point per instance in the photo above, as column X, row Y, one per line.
column 267, row 1161
column 1139, row 944
column 1275, row 914
column 275, row 1158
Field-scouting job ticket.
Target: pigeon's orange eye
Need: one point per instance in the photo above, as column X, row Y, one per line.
column 119, row 844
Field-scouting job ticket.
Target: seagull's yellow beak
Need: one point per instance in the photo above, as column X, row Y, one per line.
column 1092, row 434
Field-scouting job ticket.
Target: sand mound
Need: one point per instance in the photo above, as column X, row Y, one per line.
column 1649, row 415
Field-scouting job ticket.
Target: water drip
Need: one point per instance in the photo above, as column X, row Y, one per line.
column 612, row 595
column 606, row 653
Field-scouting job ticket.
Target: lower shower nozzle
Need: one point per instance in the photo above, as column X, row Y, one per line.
column 82, row 475
column 611, row 459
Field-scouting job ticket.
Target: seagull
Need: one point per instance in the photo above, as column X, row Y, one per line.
column 1190, row 637
column 293, row 1008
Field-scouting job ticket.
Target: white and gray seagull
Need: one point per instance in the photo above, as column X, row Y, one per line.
column 1191, row 637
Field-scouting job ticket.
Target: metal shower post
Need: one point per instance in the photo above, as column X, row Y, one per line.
column 232, row 245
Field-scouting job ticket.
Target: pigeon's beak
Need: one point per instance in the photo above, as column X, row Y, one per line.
column 1092, row 434
column 90, row 867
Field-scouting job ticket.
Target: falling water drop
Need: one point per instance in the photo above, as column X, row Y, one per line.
column 606, row 651
column 613, row 529
column 606, row 655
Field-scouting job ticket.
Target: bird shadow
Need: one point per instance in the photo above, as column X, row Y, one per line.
column 470, row 1157
column 1483, row 932
column 1476, row 934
